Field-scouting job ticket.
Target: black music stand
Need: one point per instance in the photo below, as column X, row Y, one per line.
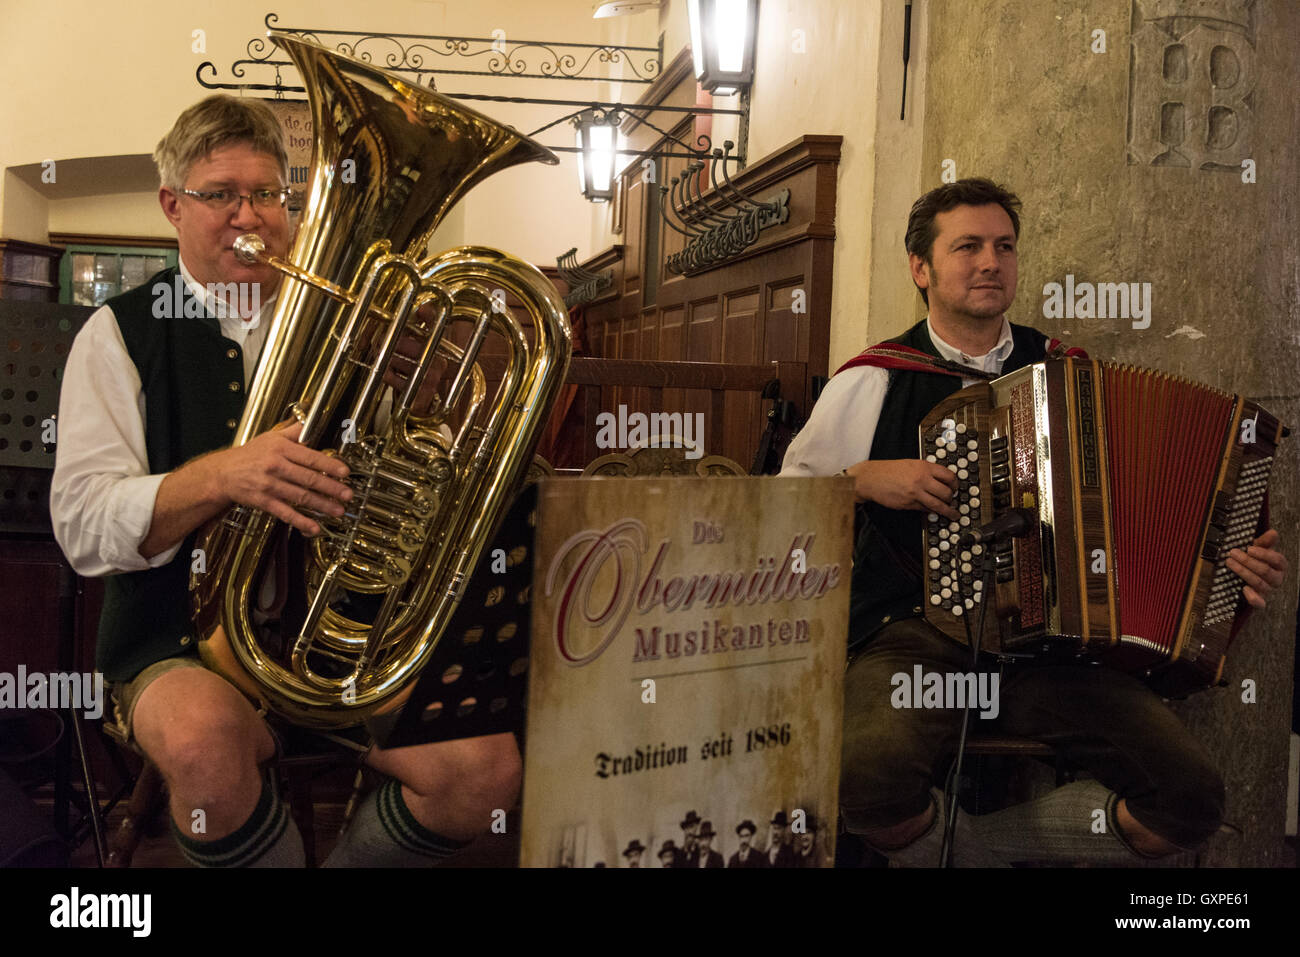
column 476, row 681
column 36, row 338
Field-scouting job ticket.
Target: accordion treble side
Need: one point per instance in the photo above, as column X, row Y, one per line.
column 1139, row 484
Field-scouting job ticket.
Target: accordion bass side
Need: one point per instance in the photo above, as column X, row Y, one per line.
column 1140, row 484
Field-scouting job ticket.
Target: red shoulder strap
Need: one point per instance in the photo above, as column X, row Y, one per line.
column 890, row 355
column 1056, row 349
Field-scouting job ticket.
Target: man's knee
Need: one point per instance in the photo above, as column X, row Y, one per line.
column 1186, row 809
column 484, row 770
column 193, row 724
column 884, row 780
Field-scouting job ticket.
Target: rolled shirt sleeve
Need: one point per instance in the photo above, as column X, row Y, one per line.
column 102, row 495
column 842, row 426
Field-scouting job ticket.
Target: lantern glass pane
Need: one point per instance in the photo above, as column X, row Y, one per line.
column 602, row 157
column 697, row 41
column 729, row 30
column 582, row 174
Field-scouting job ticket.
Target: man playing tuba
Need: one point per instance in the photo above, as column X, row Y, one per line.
column 152, row 394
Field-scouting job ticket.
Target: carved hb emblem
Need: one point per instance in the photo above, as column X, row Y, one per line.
column 1192, row 75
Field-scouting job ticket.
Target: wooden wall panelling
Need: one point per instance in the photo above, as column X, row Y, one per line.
column 770, row 304
column 740, row 344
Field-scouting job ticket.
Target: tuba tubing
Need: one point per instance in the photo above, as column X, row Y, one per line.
column 424, row 507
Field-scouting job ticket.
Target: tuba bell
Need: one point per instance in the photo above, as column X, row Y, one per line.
column 376, row 588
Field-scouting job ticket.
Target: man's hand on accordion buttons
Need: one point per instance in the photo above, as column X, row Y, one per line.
column 906, row 483
column 1260, row 566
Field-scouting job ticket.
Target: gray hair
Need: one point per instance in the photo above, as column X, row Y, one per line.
column 220, row 120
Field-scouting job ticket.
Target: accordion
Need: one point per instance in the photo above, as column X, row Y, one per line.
column 1136, row 485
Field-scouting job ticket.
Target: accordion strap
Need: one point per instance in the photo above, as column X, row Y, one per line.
column 890, row 355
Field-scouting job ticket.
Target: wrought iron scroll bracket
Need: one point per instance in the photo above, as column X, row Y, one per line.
column 720, row 227
column 584, row 285
column 427, row 55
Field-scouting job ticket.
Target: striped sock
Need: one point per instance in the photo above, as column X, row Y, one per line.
column 1074, row 824
column 384, row 833
column 269, row 838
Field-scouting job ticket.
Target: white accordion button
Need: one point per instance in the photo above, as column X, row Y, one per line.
column 936, row 600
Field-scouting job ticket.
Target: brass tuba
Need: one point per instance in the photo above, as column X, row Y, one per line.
column 390, row 159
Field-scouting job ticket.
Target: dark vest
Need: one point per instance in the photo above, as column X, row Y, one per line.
column 193, row 383
column 887, row 561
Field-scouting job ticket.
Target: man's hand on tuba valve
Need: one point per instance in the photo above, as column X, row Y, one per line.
column 275, row 473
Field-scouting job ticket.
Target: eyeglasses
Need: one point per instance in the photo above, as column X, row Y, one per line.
column 227, row 200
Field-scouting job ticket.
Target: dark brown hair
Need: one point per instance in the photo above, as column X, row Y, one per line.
column 965, row 192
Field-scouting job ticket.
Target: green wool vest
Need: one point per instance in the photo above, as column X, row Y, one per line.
column 887, row 560
column 193, row 383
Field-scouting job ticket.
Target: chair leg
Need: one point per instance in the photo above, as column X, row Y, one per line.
column 92, row 793
column 146, row 798
column 304, row 813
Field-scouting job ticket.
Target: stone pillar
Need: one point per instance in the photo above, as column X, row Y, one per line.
column 1154, row 141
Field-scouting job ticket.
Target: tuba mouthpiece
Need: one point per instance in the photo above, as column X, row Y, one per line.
column 249, row 249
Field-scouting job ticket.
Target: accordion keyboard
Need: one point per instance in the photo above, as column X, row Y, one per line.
column 953, row 571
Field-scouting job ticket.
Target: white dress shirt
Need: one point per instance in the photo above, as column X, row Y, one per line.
column 102, row 495
column 842, row 426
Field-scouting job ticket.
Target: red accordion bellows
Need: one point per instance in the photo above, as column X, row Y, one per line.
column 1165, row 438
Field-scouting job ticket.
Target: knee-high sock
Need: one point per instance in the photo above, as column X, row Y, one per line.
column 967, row 850
column 384, row 833
column 269, row 838
column 1062, row 827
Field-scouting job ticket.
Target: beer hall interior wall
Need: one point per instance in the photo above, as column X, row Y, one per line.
column 83, row 84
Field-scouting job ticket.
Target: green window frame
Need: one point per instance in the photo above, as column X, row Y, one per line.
column 90, row 275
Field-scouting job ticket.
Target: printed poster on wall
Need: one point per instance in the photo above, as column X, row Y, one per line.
column 295, row 118
column 685, row 698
